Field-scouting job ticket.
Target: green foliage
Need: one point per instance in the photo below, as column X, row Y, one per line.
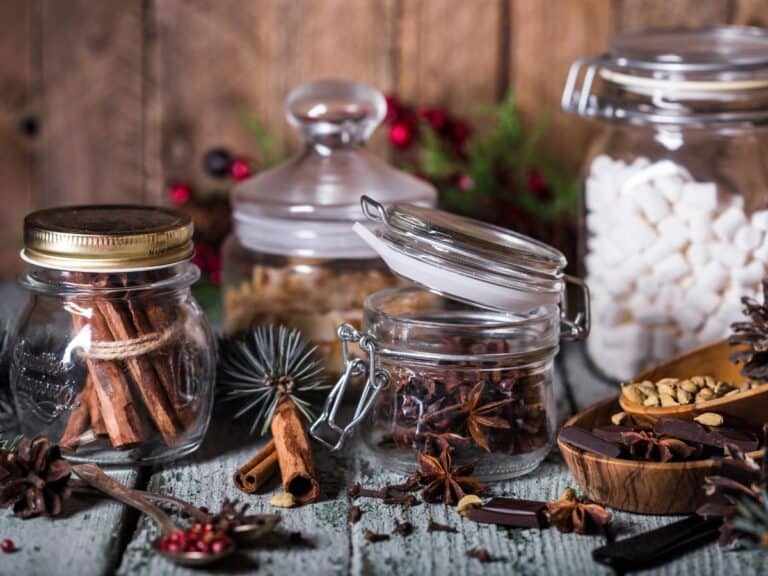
column 268, row 154
column 498, row 165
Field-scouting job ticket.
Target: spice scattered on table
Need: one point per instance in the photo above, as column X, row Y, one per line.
column 444, row 483
column 371, row 536
column 574, row 514
column 390, row 494
column 433, row 526
column 202, row 538
column 467, row 503
column 480, row 554
column 354, row 513
column 403, row 528
column 283, row 500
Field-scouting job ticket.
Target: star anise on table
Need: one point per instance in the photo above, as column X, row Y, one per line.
column 573, row 514
column 481, row 416
column 443, row 482
column 34, row 479
column 644, row 445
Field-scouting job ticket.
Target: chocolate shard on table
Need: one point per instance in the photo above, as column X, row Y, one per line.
column 658, row 546
column 588, row 441
column 512, row 512
column 696, row 433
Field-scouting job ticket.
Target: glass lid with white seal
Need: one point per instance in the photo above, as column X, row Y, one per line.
column 471, row 261
column 717, row 74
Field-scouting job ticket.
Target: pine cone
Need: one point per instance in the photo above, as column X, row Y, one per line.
column 737, row 492
column 753, row 334
column 34, row 479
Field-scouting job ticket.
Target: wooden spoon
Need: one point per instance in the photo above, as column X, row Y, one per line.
column 97, row 478
column 747, row 408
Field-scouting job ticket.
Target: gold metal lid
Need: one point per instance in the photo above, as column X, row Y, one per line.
column 107, row 238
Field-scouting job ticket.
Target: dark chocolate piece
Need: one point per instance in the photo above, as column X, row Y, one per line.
column 586, row 440
column 612, row 433
column 696, row 433
column 658, row 546
column 512, row 512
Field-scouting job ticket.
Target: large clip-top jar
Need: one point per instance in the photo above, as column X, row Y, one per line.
column 293, row 258
column 111, row 356
column 464, row 360
column 676, row 226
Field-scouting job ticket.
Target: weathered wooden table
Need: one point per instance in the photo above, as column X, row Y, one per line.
column 101, row 537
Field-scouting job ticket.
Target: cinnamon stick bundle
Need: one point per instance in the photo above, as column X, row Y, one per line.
column 117, row 406
column 294, row 454
column 79, row 418
column 156, row 402
column 254, row 474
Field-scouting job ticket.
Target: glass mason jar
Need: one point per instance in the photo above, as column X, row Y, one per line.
column 111, row 356
column 293, row 258
column 675, row 230
column 463, row 362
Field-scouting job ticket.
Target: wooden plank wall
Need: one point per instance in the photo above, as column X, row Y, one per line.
column 107, row 101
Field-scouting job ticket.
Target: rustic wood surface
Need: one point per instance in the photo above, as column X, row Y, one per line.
column 98, row 537
column 109, row 101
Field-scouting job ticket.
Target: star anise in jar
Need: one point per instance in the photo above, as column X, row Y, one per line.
column 645, row 445
column 443, row 482
column 481, row 416
column 573, row 514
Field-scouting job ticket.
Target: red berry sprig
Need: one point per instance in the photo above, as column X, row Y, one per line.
column 202, row 538
column 8, row 546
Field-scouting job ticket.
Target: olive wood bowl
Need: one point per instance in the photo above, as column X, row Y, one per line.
column 633, row 485
column 744, row 409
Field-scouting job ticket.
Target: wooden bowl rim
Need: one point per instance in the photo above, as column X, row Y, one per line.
column 624, row 462
column 658, row 411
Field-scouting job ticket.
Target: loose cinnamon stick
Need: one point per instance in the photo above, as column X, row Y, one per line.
column 118, row 321
column 116, row 403
column 254, row 474
column 78, row 418
column 294, row 454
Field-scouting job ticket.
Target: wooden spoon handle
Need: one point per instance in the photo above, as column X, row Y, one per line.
column 186, row 507
column 97, row 478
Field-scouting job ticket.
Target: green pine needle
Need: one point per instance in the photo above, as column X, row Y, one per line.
column 259, row 367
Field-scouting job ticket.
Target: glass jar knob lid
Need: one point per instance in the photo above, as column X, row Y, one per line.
column 464, row 259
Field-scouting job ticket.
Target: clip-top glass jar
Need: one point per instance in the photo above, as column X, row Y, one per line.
column 111, row 356
column 676, row 226
column 463, row 362
column 293, row 258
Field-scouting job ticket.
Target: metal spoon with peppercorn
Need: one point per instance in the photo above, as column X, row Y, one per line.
column 200, row 545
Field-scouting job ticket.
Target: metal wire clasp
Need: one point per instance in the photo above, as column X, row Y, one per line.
column 374, row 382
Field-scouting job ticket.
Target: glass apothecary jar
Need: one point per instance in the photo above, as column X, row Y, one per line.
column 293, row 258
column 675, row 228
column 464, row 360
column 111, row 356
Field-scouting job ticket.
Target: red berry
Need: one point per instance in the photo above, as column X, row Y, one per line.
column 460, row 131
column 8, row 546
column 436, row 117
column 219, row 546
column 180, row 193
column 394, row 108
column 401, row 134
column 465, row 182
column 240, row 169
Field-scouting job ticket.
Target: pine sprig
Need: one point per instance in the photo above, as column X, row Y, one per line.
column 259, row 368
